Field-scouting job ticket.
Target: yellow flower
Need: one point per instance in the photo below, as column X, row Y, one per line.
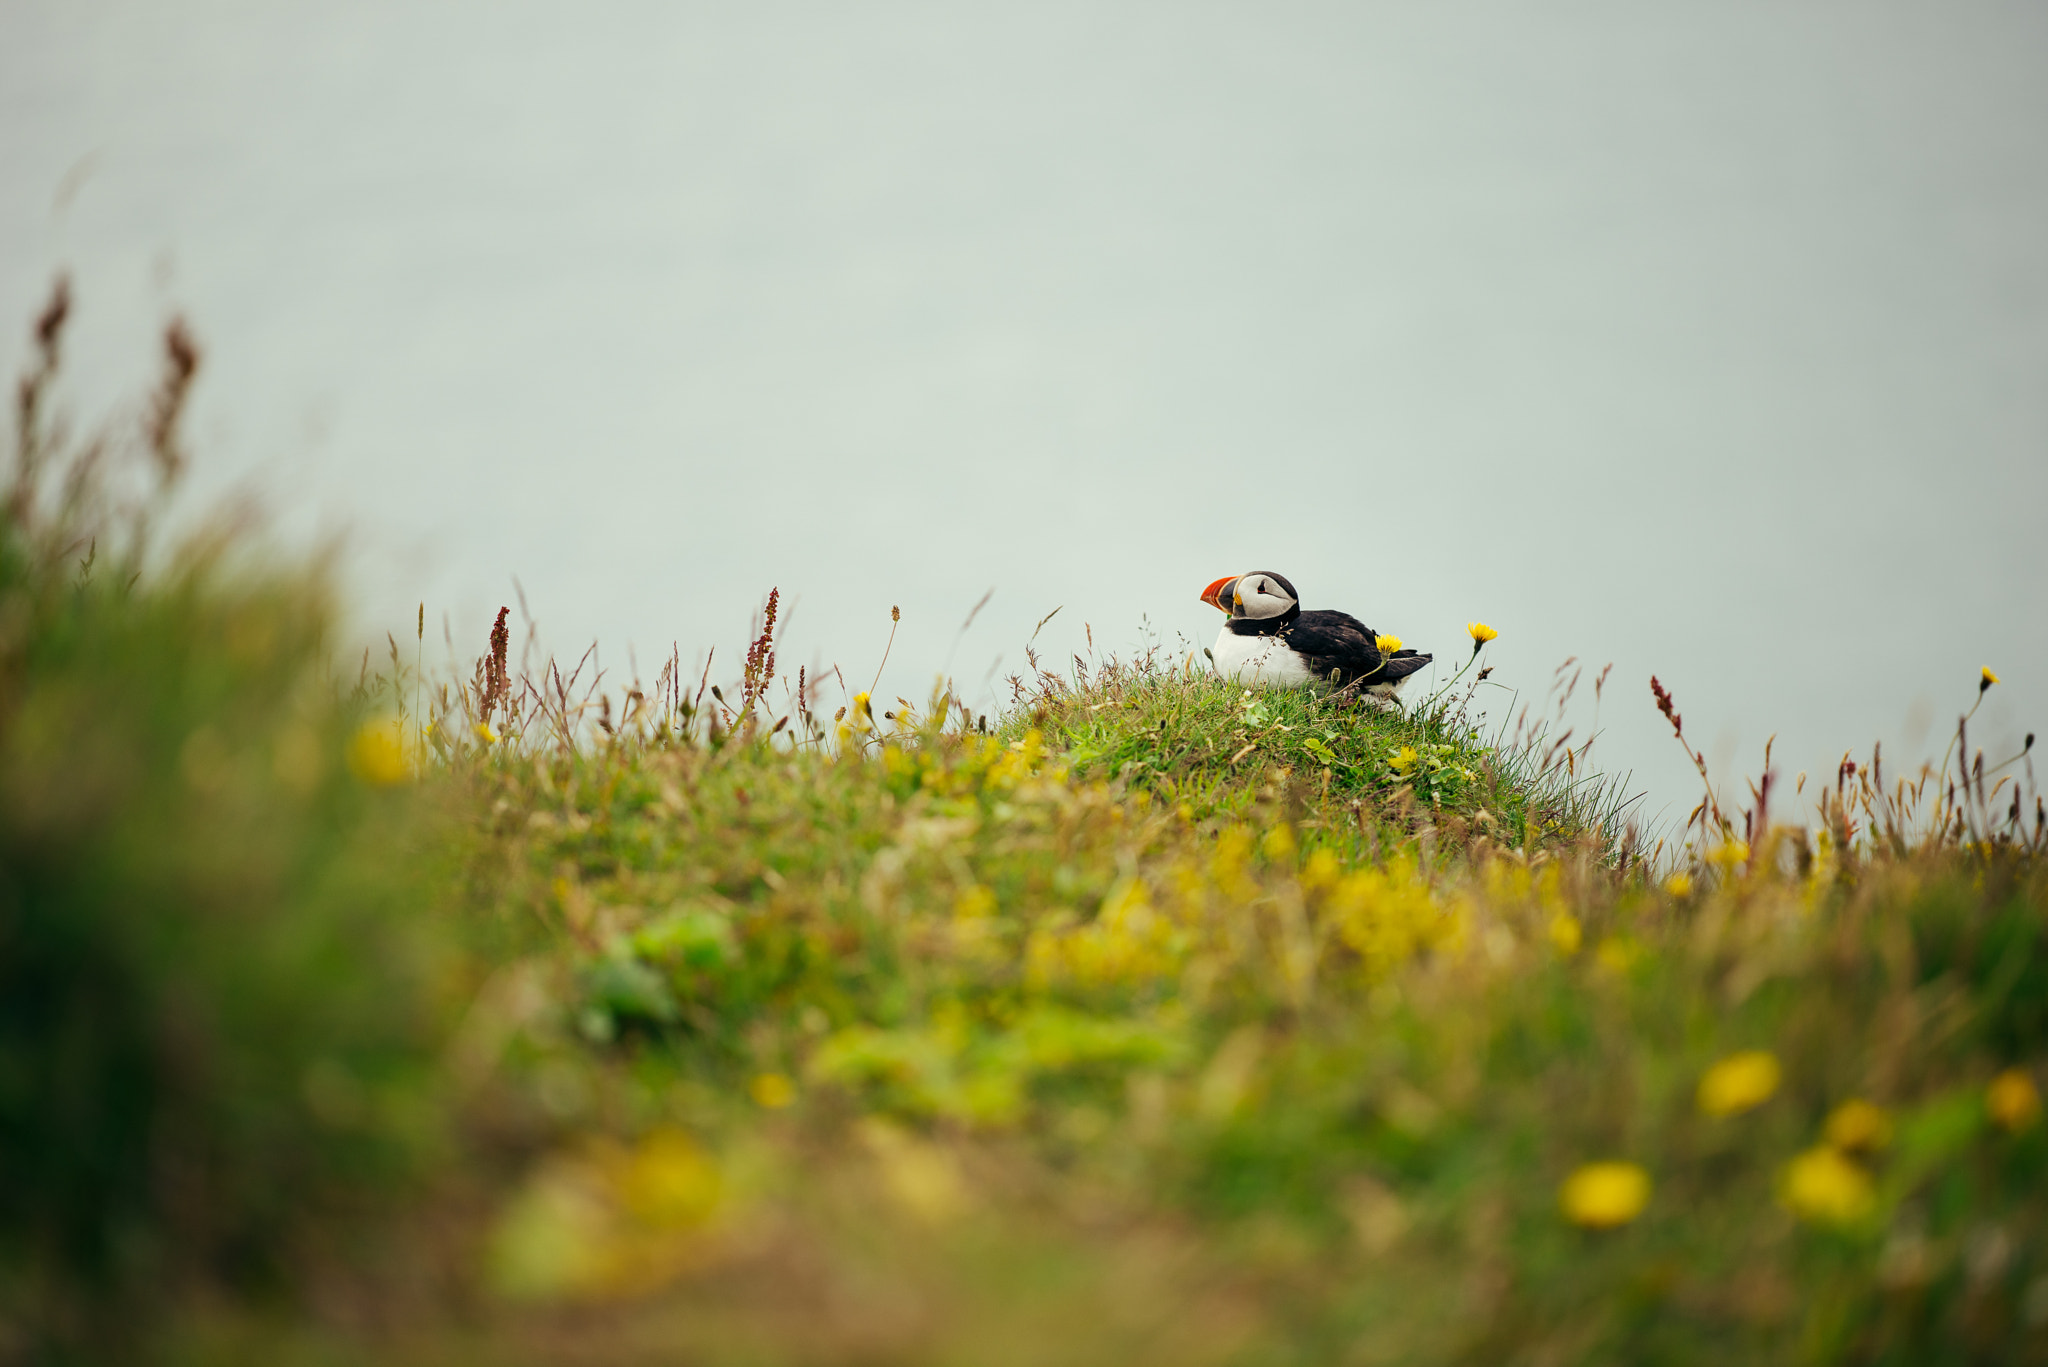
column 1404, row 759
column 1616, row 955
column 376, row 753
column 1989, row 679
column 1679, row 885
column 2013, row 1100
column 772, row 1091
column 1739, row 1083
column 1857, row 1125
column 1480, row 633
column 1730, row 854
column 1322, row 870
column 1387, row 644
column 1566, row 933
column 1604, row 1195
column 1823, row 1186
column 485, row 734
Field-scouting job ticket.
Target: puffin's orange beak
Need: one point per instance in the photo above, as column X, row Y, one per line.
column 1213, row 595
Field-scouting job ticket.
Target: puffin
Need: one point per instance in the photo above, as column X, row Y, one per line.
column 1270, row 640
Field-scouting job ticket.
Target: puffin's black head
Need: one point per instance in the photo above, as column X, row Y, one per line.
column 1262, row 595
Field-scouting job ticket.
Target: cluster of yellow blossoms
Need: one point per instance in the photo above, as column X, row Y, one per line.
column 1829, row 1183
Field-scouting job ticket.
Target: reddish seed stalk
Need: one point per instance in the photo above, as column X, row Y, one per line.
column 1669, row 708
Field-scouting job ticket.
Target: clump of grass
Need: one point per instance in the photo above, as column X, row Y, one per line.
column 218, row 999
column 1360, row 777
column 1411, row 1084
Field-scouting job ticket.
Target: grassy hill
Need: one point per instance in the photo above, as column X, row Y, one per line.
column 516, row 1018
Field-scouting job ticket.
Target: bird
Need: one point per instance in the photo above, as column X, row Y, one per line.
column 1270, row 640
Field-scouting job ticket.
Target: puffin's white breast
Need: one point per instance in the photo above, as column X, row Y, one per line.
column 1259, row 659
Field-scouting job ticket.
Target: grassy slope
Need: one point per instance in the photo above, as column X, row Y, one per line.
column 1355, row 773
column 1102, row 1039
column 974, row 1031
column 1144, row 1030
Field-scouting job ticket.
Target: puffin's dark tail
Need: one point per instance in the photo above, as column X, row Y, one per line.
column 1403, row 663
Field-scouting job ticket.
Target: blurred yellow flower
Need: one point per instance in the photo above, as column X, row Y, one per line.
column 1404, row 759
column 1739, row 1083
column 1604, row 1195
column 1480, row 632
column 667, row 1181
column 1823, row 1186
column 1856, row 1125
column 1729, row 854
column 1387, row 644
column 1322, row 871
column 606, row 1221
column 772, row 1091
column 485, row 734
column 1989, row 678
column 2012, row 1099
column 1617, row 955
column 1679, row 885
column 376, row 753
column 1566, row 933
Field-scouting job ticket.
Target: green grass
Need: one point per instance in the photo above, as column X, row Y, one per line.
column 1362, row 777
column 1153, row 1023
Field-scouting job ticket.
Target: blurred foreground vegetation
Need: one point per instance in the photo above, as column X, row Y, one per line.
column 528, row 1017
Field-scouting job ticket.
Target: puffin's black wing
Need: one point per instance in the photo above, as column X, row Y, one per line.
column 1335, row 642
column 1338, row 642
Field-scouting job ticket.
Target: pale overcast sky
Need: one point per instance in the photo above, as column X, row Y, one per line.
column 1710, row 339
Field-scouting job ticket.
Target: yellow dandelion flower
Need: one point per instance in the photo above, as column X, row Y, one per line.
column 1741, row 1082
column 1989, row 679
column 1404, row 759
column 1604, row 1195
column 1823, row 1186
column 1679, row 885
column 1480, row 633
column 485, row 734
column 1566, row 933
column 2012, row 1099
column 1616, row 955
column 1322, row 871
column 376, row 753
column 1857, row 1126
column 1387, row 644
column 772, row 1091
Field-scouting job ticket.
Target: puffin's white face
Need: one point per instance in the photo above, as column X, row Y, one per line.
column 1260, row 595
